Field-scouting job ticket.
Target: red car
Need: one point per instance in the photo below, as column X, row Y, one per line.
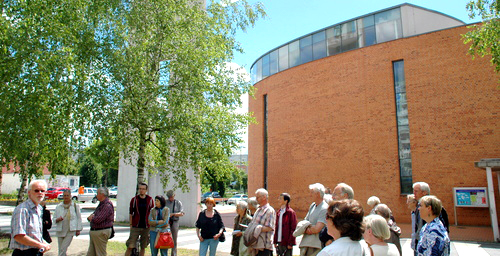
column 52, row 193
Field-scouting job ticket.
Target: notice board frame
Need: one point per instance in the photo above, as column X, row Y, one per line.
column 460, row 203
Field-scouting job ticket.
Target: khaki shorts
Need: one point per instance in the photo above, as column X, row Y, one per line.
column 134, row 235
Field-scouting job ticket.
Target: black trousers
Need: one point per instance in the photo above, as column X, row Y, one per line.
column 265, row 252
column 28, row 252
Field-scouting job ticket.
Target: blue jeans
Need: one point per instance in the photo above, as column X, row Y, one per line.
column 152, row 240
column 208, row 243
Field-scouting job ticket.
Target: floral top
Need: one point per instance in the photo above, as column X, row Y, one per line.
column 434, row 239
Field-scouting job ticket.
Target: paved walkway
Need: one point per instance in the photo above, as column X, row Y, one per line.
column 188, row 240
column 466, row 240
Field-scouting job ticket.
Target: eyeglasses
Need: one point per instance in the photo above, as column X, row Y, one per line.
column 39, row 191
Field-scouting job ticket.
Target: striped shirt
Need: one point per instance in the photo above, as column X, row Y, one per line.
column 26, row 220
column 266, row 216
column 104, row 215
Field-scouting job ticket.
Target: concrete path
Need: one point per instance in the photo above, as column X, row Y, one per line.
column 187, row 237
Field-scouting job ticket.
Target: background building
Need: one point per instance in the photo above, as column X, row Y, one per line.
column 11, row 181
column 378, row 102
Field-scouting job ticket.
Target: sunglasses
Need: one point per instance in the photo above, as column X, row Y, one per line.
column 39, row 191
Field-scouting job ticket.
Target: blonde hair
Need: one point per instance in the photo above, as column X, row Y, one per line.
column 411, row 197
column 378, row 225
column 434, row 202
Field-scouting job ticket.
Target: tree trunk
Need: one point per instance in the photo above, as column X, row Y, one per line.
column 20, row 195
column 140, row 158
column 105, row 177
column 1, row 177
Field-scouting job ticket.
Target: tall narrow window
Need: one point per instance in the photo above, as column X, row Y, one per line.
column 306, row 53
column 265, row 66
column 273, row 62
column 319, row 45
column 334, row 40
column 265, row 140
column 405, row 171
column 283, row 58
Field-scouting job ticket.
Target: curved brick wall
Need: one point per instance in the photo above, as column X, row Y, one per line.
column 334, row 120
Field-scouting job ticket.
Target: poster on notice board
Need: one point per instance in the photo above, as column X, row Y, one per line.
column 471, row 197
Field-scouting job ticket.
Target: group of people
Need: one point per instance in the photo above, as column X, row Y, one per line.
column 150, row 217
column 336, row 224
column 30, row 221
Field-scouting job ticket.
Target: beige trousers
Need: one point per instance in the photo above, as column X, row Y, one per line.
column 98, row 242
column 309, row 251
column 64, row 242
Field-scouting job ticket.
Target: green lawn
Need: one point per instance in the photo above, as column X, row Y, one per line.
column 114, row 248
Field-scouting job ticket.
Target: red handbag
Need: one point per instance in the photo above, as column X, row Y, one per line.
column 164, row 240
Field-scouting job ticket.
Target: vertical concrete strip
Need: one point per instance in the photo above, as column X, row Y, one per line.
column 493, row 209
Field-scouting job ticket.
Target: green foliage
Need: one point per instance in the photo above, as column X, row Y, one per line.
column 174, row 98
column 104, row 152
column 241, row 179
column 217, row 179
column 12, row 195
column 153, row 72
column 90, row 172
column 485, row 38
column 46, row 51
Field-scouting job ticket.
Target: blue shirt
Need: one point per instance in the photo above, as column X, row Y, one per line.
column 434, row 239
column 26, row 220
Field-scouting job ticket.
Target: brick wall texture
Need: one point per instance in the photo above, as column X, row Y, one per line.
column 334, row 120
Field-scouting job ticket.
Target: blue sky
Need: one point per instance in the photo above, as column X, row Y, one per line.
column 290, row 19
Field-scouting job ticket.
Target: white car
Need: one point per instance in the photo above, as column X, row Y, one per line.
column 113, row 192
column 90, row 194
column 236, row 198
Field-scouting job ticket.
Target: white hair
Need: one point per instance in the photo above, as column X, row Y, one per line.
column 242, row 205
column 378, row 225
column 318, row 187
column 253, row 201
column 104, row 191
column 384, row 211
column 262, row 191
column 43, row 182
column 346, row 189
column 423, row 186
column 328, row 198
column 373, row 200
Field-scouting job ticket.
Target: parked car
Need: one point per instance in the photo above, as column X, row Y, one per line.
column 90, row 194
column 113, row 192
column 214, row 194
column 236, row 198
column 52, row 193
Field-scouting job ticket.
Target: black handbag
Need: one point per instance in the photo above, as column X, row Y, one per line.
column 222, row 237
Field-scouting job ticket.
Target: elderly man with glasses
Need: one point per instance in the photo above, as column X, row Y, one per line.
column 26, row 224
